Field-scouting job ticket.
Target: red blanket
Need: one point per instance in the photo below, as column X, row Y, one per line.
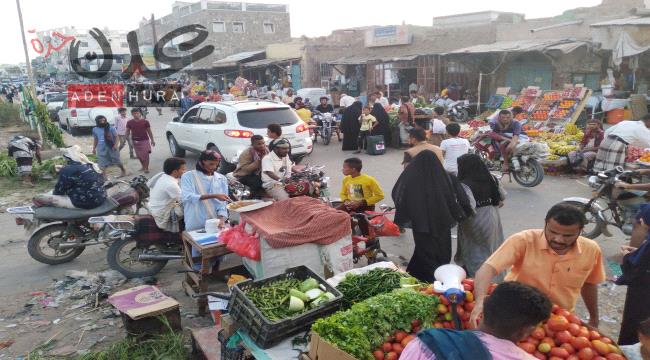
column 297, row 221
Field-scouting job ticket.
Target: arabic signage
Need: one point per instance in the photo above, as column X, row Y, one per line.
column 388, row 36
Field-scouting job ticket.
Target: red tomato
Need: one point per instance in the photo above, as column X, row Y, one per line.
column 573, row 357
column 538, row 333
column 564, row 313
column 527, row 347
column 379, row 355
column 586, row 354
column 559, row 352
column 584, row 332
column 574, row 329
column 469, row 306
column 539, row 355
column 468, row 281
column 532, row 340
column 548, row 331
column 399, row 336
column 398, row 348
column 391, row 356
column 563, row 337
column 555, row 358
column 569, row 348
column 555, row 309
column 574, row 319
column 613, row 356
column 548, row 340
column 415, row 330
column 594, row 335
column 407, row 340
column 606, row 340
column 444, row 300
column 447, row 325
column 558, row 323
column 387, row 346
column 468, row 287
column 580, row 342
column 416, row 323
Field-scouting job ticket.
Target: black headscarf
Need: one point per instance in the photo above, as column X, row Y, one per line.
column 427, row 198
column 350, row 125
column 473, row 172
column 383, row 127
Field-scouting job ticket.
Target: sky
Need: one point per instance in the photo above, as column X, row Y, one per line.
column 308, row 17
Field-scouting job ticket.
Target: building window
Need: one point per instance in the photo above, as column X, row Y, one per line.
column 237, row 27
column 325, row 70
column 218, row 26
column 454, row 67
column 269, row 28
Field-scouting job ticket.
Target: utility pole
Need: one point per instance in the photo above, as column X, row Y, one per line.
column 28, row 64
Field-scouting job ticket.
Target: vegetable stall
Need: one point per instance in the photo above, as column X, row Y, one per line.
column 372, row 313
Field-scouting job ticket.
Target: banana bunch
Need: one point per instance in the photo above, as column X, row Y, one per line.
column 553, row 157
column 571, row 129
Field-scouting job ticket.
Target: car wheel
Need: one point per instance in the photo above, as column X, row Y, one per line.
column 176, row 150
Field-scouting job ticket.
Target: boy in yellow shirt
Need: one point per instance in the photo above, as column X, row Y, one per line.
column 360, row 192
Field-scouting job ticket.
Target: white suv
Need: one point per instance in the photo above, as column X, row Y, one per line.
column 229, row 125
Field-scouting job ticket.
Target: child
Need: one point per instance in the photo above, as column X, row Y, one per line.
column 438, row 124
column 640, row 350
column 24, row 149
column 368, row 122
column 453, row 148
column 359, row 191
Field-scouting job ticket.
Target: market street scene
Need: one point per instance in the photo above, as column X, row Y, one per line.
column 277, row 180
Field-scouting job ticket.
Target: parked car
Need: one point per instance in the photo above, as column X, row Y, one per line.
column 55, row 104
column 74, row 119
column 229, row 125
column 49, row 95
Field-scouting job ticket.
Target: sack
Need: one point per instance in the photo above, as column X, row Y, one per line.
column 241, row 243
column 384, row 227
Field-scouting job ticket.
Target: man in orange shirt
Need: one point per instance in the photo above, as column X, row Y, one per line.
column 556, row 260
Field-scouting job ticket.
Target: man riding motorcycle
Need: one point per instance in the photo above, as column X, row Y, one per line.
column 506, row 132
column 249, row 166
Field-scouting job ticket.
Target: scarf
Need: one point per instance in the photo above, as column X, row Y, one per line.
column 74, row 153
column 473, row 173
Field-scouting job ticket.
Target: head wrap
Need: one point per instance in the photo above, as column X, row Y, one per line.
column 74, row 153
column 207, row 155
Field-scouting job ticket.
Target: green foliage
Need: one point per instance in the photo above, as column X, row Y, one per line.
column 51, row 132
column 9, row 114
column 8, row 167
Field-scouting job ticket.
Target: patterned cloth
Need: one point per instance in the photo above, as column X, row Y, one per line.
column 611, row 153
column 297, row 221
column 82, row 184
column 23, row 148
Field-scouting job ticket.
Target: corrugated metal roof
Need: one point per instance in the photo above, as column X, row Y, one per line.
column 265, row 62
column 566, row 46
column 354, row 60
column 235, row 59
column 632, row 20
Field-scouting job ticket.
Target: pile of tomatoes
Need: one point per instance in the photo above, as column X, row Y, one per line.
column 564, row 336
column 392, row 348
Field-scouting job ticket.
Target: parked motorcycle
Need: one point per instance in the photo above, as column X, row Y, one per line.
column 524, row 165
column 609, row 205
column 308, row 181
column 142, row 249
column 458, row 111
column 328, row 127
column 68, row 231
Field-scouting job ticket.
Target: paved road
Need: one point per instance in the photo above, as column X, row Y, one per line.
column 524, row 209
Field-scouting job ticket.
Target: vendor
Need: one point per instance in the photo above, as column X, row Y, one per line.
column 511, row 313
column 583, row 158
column 556, row 260
column 506, row 136
column 249, row 166
column 204, row 192
column 613, row 149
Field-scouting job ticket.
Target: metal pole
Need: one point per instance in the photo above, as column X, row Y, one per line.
column 32, row 90
column 478, row 100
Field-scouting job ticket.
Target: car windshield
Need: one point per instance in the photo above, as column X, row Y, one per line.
column 260, row 119
column 57, row 97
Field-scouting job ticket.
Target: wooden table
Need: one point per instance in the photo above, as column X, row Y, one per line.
column 196, row 280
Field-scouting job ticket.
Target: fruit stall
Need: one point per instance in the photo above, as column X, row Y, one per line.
column 373, row 313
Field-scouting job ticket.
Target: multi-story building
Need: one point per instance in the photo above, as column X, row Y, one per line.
column 233, row 27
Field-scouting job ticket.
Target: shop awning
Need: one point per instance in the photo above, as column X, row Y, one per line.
column 566, row 46
column 625, row 47
column 267, row 62
column 235, row 59
column 399, row 58
column 350, row 60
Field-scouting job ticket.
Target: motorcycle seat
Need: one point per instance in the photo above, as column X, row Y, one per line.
column 57, row 213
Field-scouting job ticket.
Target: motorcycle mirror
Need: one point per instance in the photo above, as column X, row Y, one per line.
column 619, row 169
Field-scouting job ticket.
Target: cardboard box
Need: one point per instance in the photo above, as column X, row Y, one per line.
column 320, row 349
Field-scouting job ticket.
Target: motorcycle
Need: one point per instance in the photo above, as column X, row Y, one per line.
column 142, row 249
column 609, row 205
column 524, row 165
column 308, row 181
column 68, row 231
column 329, row 126
column 458, row 111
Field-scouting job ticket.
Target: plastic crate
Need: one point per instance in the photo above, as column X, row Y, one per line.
column 229, row 353
column 266, row 333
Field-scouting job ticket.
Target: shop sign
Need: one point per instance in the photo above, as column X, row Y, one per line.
column 388, row 36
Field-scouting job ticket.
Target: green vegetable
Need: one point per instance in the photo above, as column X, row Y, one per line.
column 295, row 304
column 272, row 298
column 308, row 284
column 357, row 288
column 362, row 328
column 298, row 294
column 314, row 294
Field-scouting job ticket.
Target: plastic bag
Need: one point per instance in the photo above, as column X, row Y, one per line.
column 384, row 227
column 242, row 243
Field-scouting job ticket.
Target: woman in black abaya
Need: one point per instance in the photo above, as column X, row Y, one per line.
column 350, row 126
column 430, row 202
column 383, row 127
